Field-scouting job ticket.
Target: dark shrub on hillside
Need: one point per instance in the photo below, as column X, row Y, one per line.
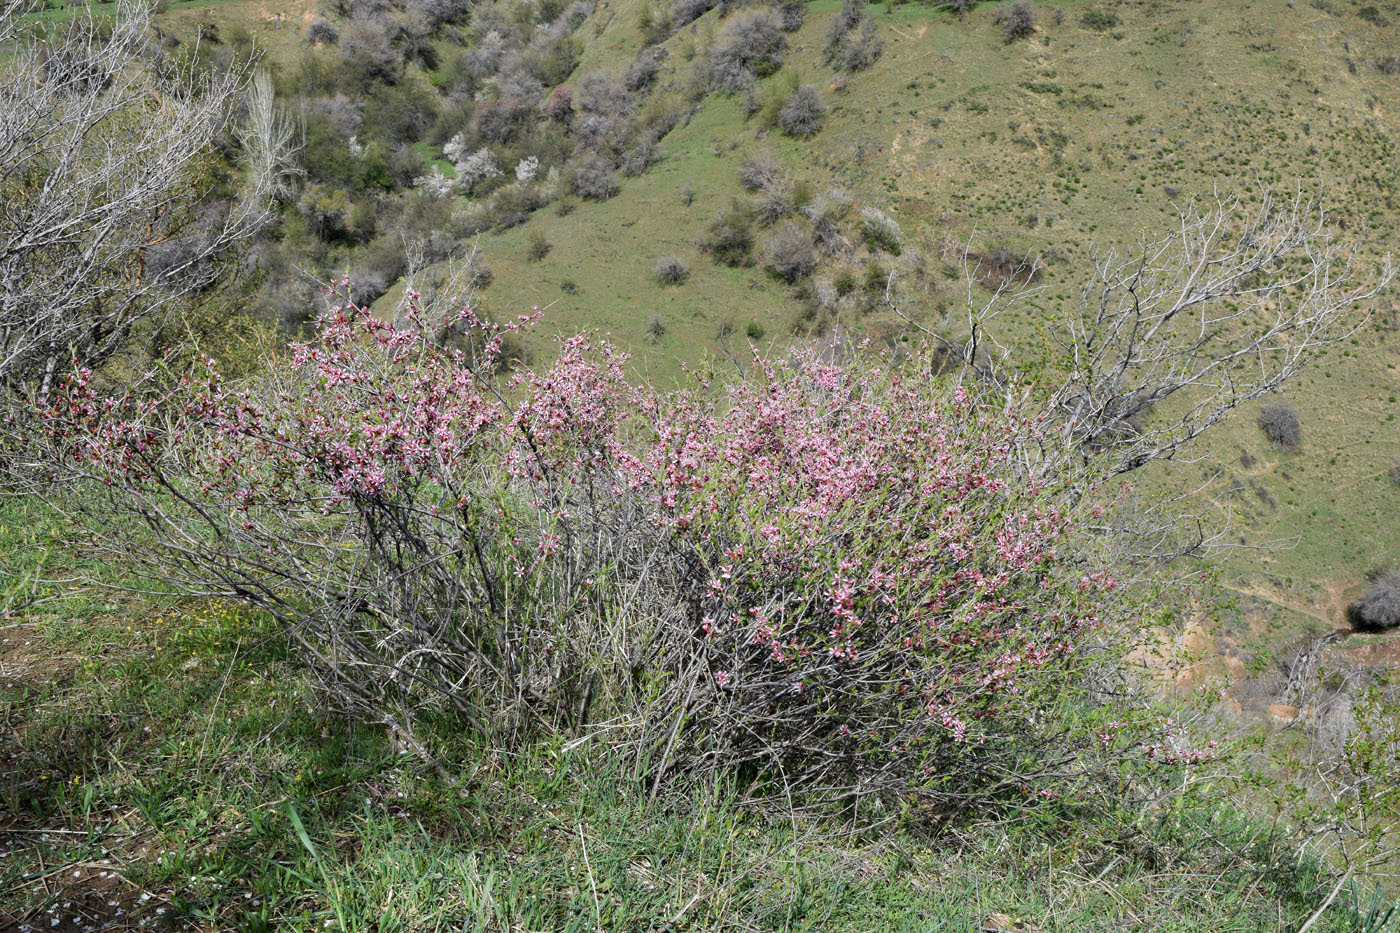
column 604, row 109
column 321, row 32
column 759, row 171
column 550, row 61
column 671, row 270
column 788, row 252
column 595, row 178
column 1280, row 424
column 684, row 12
column 502, row 121
column 803, row 112
column 559, row 105
column 790, row 14
column 1379, row 606
column 852, row 38
column 730, row 237
column 641, row 74
column 439, row 11
column 399, row 113
column 413, row 35
column 775, row 202
column 406, row 164
column 752, row 46
column 1017, row 20
column 1395, row 473
column 639, row 158
column 367, row 53
column 537, row 246
column 1098, row 20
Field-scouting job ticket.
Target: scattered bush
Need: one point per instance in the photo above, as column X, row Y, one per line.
column 1395, row 473
column 367, row 53
column 754, row 330
column 641, row 74
column 1379, row 607
column 656, row 328
column 537, row 246
column 595, row 179
column 1280, row 424
column 671, row 270
column 1098, row 20
column 852, row 38
column 760, row 170
column 774, row 202
column 803, row 112
column 685, row 12
column 1017, row 20
column 752, row 46
column 790, row 13
column 320, row 32
column 788, row 252
column 730, row 237
column 880, row 231
column 559, row 105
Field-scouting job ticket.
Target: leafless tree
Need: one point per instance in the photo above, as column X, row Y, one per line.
column 1168, row 338
column 105, row 158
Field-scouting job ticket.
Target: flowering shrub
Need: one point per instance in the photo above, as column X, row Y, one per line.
column 881, row 589
column 377, row 493
column 848, row 572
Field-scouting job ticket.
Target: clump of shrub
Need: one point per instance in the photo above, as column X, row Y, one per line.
column 881, row 231
column 1395, row 473
column 595, row 179
column 537, row 246
column 790, row 14
column 1017, row 20
column 685, row 12
column 641, row 74
column 1378, row 608
column 730, row 236
column 320, row 32
column 752, row 46
column 852, row 38
column 788, row 252
column 671, row 270
column 774, row 202
column 1098, row 20
column 759, row 171
column 803, row 113
column 1280, row 423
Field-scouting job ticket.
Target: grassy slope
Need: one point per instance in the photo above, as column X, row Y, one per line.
column 1054, row 144
column 171, row 765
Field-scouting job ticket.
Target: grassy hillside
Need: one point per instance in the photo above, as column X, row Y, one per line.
column 1083, row 136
